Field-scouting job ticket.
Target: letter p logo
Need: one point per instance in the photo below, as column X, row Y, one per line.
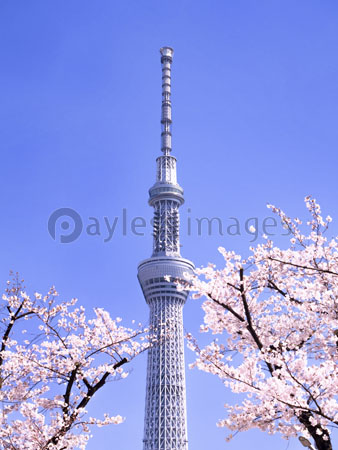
column 69, row 217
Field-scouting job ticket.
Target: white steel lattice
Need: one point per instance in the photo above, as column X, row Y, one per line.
column 166, row 169
column 165, row 414
column 166, row 227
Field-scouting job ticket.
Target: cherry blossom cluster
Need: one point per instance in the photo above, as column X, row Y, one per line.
column 52, row 362
column 275, row 315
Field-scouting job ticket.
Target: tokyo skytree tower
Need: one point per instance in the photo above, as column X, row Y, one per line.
column 165, row 424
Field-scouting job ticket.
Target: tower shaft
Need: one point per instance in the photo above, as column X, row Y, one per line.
column 165, row 424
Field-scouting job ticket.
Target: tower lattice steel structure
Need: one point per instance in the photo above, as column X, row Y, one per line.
column 165, row 425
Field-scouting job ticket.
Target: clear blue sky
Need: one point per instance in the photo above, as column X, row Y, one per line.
column 255, row 108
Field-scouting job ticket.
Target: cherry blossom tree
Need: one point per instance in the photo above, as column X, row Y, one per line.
column 52, row 362
column 276, row 314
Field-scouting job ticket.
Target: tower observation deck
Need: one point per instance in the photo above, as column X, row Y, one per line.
column 165, row 424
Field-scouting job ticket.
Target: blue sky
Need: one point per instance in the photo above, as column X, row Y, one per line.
column 255, row 108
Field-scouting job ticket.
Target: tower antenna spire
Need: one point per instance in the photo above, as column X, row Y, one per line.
column 166, row 61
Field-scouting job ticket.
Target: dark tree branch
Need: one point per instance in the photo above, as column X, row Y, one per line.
column 70, row 419
column 320, row 442
column 316, row 269
column 273, row 285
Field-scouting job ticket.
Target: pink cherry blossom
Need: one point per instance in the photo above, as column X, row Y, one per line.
column 52, row 362
column 276, row 314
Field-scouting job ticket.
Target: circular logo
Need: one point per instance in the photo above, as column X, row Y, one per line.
column 69, row 217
